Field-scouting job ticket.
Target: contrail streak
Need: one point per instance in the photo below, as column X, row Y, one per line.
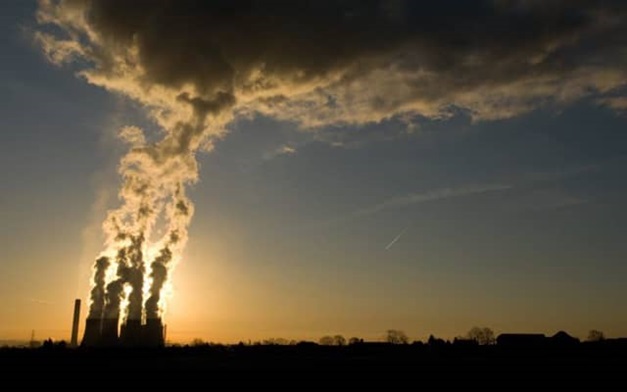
column 396, row 239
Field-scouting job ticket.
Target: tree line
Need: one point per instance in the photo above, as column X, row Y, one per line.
column 479, row 335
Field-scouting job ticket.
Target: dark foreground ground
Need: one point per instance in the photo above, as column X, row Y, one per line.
column 311, row 367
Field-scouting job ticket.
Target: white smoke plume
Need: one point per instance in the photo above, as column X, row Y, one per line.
column 98, row 290
column 196, row 65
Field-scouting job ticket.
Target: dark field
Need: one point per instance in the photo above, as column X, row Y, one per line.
column 591, row 366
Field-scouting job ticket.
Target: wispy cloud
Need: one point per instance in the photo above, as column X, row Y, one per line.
column 529, row 179
column 423, row 197
column 619, row 104
column 558, row 174
column 547, row 199
column 284, row 149
column 534, row 191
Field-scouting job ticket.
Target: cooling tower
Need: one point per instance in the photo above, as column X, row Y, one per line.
column 93, row 329
column 75, row 321
column 153, row 333
column 104, row 333
column 131, row 334
column 109, row 335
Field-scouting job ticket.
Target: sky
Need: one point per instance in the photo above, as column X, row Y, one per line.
column 350, row 168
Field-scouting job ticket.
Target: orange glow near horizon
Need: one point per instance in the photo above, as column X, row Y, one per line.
column 216, row 300
column 346, row 169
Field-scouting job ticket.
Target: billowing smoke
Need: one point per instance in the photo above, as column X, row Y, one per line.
column 98, row 289
column 159, row 274
column 196, row 65
column 135, row 278
column 115, row 288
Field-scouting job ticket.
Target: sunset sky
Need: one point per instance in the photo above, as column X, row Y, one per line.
column 362, row 167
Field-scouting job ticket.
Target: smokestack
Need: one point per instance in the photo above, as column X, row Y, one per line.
column 75, row 321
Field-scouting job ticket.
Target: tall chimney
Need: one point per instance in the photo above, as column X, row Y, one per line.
column 75, row 321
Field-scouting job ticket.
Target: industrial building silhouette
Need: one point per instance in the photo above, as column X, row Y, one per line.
column 107, row 332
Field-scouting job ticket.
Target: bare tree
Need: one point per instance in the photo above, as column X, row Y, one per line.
column 482, row 335
column 395, row 336
column 595, row 335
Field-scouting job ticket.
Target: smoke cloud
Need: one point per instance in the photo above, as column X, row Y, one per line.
column 159, row 274
column 135, row 263
column 98, row 289
column 197, row 65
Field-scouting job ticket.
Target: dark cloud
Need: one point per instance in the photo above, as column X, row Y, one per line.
column 444, row 53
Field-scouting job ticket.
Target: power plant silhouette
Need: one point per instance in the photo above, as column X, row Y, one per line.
column 107, row 332
column 120, row 314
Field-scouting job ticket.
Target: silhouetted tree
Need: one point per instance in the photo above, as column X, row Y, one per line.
column 326, row 341
column 197, row 342
column 355, row 340
column 595, row 335
column 394, row 336
column 48, row 343
column 276, row 342
column 482, row 335
column 339, row 340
